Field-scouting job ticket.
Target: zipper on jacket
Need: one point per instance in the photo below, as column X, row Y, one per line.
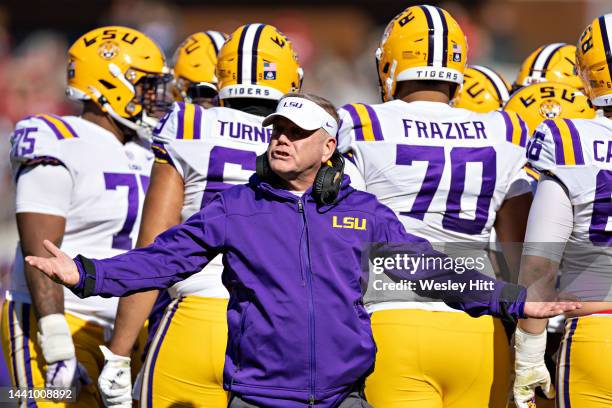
column 306, row 259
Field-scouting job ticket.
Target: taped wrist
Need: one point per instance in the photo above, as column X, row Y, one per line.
column 54, row 338
column 529, row 347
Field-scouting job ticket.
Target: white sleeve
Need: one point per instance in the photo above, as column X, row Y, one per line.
column 357, row 181
column 44, row 189
column 521, row 184
column 549, row 226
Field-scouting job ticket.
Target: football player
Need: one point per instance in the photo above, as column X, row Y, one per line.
column 483, row 90
column 194, row 68
column 198, row 153
column 549, row 63
column 575, row 159
column 536, row 103
column 81, row 183
column 451, row 175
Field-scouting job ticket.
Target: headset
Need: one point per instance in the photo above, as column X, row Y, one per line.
column 327, row 182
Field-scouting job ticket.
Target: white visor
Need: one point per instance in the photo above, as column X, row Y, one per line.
column 305, row 114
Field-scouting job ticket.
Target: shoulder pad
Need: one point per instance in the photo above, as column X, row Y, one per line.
column 362, row 122
column 182, row 122
column 39, row 138
column 516, row 128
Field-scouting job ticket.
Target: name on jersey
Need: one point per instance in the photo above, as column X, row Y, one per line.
column 244, row 131
column 601, row 152
column 444, row 130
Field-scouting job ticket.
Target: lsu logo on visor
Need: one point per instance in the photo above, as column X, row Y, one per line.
column 349, row 223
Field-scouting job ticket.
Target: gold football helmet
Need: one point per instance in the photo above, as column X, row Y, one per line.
column 122, row 71
column 420, row 43
column 258, row 61
column 195, row 61
column 549, row 100
column 550, row 63
column 483, row 90
column 594, row 58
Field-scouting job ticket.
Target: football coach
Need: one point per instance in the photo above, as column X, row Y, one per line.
column 292, row 241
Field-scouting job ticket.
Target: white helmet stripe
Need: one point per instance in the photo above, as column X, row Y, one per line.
column 438, row 43
column 217, row 39
column 249, row 52
column 499, row 84
column 543, row 58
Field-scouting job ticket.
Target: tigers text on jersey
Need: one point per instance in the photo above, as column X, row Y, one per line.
column 578, row 152
column 212, row 150
column 109, row 181
column 445, row 171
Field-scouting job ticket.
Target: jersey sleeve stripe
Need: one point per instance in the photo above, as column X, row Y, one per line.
column 349, row 156
column 532, row 173
column 357, row 126
column 59, row 127
column 524, row 132
column 188, row 119
column 180, row 125
column 576, row 145
column 375, row 123
column 556, row 135
column 515, row 132
column 564, row 145
column 161, row 154
column 370, row 125
column 65, row 123
column 197, row 122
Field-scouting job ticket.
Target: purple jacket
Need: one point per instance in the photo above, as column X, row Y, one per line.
column 298, row 330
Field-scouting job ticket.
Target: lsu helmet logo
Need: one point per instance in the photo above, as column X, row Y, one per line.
column 549, row 100
column 550, row 109
column 349, row 223
column 108, row 50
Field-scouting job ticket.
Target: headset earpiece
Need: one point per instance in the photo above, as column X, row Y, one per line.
column 262, row 167
column 329, row 180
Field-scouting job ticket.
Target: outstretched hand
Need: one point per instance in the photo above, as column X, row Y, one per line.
column 543, row 301
column 60, row 267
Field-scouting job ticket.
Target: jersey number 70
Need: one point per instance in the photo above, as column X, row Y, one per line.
column 459, row 158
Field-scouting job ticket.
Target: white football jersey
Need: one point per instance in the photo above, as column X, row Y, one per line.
column 578, row 152
column 212, row 149
column 109, row 181
column 445, row 171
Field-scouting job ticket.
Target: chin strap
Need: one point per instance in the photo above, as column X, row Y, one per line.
column 143, row 127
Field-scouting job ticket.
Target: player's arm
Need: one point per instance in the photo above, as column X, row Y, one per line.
column 42, row 200
column 162, row 210
column 548, row 230
column 510, row 226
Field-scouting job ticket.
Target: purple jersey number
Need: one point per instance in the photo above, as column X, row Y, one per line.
column 602, row 210
column 219, row 157
column 460, row 157
column 122, row 240
column 23, row 143
column 434, row 155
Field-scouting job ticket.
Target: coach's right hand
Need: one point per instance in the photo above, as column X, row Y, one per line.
column 60, row 268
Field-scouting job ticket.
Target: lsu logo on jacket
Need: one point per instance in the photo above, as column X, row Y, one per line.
column 349, row 223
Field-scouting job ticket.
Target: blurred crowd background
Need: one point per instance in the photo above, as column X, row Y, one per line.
column 335, row 40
